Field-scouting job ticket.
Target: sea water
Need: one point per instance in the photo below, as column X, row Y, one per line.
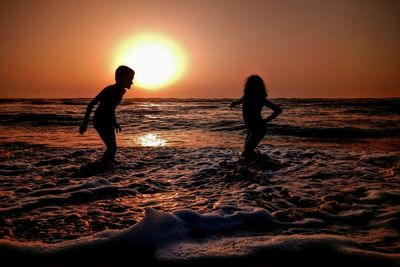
column 181, row 194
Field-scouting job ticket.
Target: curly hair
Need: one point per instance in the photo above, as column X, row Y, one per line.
column 255, row 87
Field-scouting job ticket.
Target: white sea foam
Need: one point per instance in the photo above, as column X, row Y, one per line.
column 188, row 237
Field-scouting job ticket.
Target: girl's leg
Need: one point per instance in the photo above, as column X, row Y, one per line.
column 248, row 135
column 253, row 138
column 107, row 134
column 247, row 149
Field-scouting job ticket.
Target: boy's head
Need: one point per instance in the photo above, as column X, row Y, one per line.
column 124, row 76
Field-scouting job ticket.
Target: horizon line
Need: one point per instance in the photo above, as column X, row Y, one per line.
column 199, row 98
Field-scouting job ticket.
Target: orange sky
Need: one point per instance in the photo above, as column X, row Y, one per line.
column 301, row 48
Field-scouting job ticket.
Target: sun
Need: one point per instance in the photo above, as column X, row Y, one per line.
column 157, row 60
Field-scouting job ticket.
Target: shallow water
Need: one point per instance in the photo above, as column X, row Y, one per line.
column 336, row 187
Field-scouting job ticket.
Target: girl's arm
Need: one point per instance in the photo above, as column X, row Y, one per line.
column 237, row 102
column 89, row 108
column 277, row 110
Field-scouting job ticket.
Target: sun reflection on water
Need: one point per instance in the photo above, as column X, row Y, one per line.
column 151, row 140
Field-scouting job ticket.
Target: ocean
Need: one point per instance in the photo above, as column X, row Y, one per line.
column 181, row 195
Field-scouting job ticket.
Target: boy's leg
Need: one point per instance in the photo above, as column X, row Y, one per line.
column 107, row 134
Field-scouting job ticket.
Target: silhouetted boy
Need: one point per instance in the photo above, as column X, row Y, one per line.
column 104, row 120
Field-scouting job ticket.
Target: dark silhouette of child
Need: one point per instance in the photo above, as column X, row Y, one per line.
column 253, row 100
column 104, row 120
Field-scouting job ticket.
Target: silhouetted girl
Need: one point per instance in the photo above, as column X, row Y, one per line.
column 254, row 98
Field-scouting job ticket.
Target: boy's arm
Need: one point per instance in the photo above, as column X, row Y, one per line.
column 277, row 110
column 117, row 127
column 237, row 102
column 89, row 108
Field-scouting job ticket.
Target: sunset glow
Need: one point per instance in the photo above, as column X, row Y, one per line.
column 201, row 49
column 151, row 140
column 157, row 60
